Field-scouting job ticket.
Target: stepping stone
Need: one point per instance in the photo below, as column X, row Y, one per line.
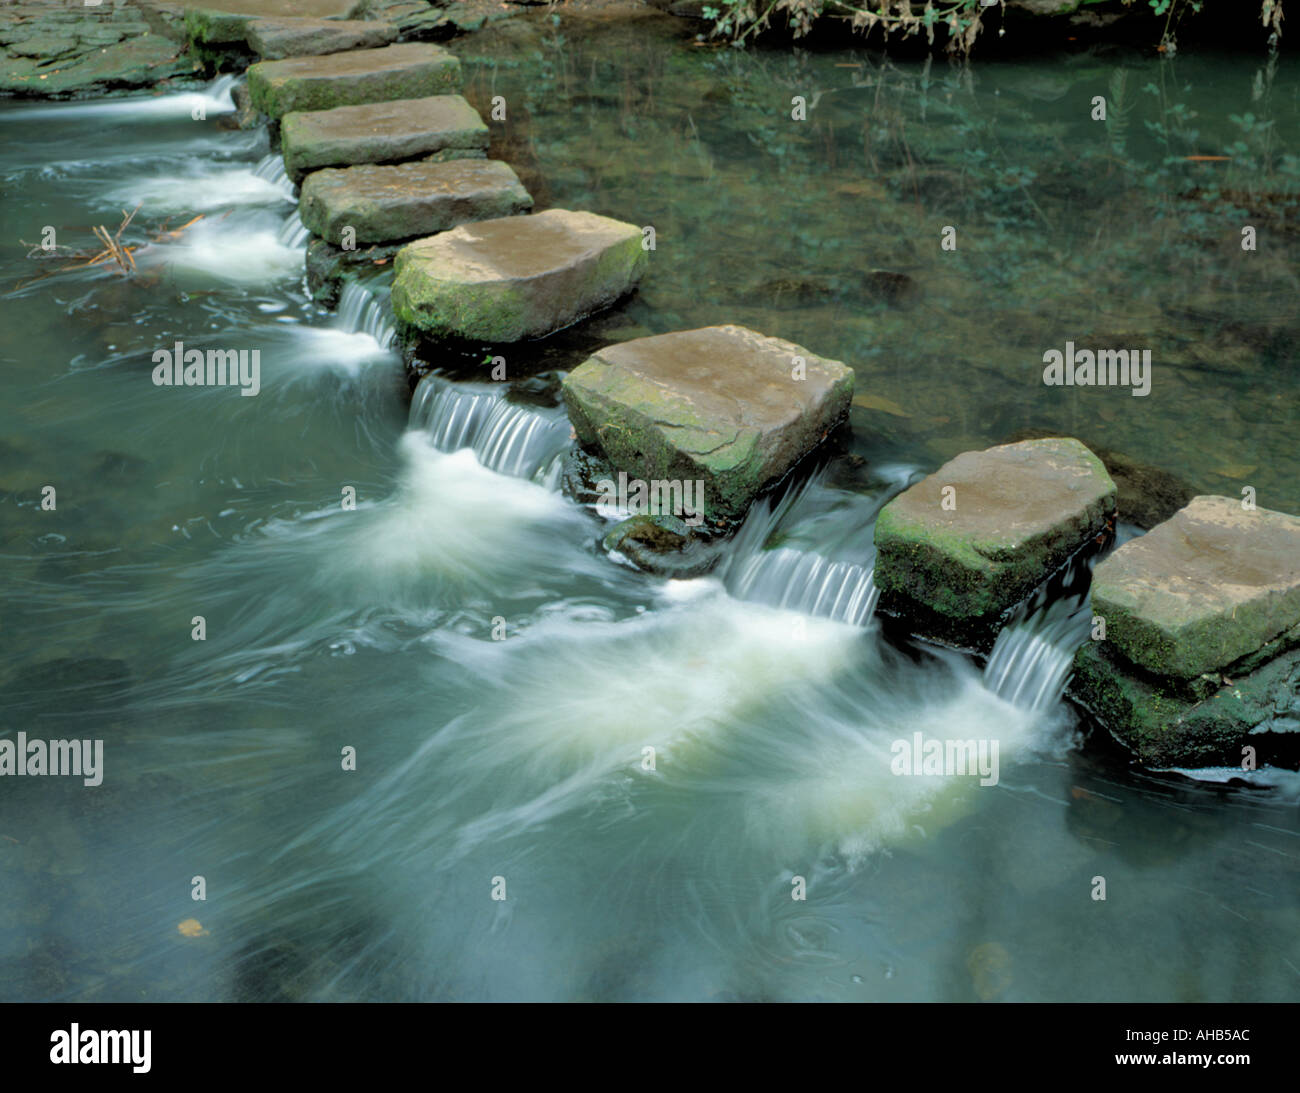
column 409, row 70
column 1210, row 585
column 978, row 535
column 518, row 277
column 275, row 39
column 408, row 200
column 384, row 132
column 723, row 405
column 227, row 21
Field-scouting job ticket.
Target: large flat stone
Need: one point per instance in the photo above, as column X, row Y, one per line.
column 1015, row 514
column 518, row 277
column 385, row 132
column 409, row 70
column 275, row 39
column 1208, row 586
column 1167, row 725
column 722, row 405
column 382, row 204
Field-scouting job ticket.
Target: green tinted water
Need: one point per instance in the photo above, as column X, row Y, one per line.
column 523, row 759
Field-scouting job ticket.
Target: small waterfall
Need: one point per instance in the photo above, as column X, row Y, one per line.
column 292, row 232
column 812, row 581
column 1031, row 659
column 509, row 439
column 271, row 169
column 807, row 582
column 360, row 313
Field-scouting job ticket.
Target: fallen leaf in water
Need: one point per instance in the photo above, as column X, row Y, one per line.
column 192, row 927
column 862, row 189
column 877, row 402
column 990, row 970
column 1080, row 794
column 1235, row 470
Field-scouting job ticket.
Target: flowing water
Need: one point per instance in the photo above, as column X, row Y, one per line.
column 646, row 769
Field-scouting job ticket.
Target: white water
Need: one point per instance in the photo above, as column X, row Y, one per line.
column 212, row 100
column 1031, row 658
column 511, row 439
column 359, row 312
column 202, row 187
column 293, row 233
column 248, row 250
column 808, row 577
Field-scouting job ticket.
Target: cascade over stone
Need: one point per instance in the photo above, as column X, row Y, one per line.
column 518, row 277
column 721, row 405
column 1205, row 588
column 411, row 199
column 385, row 132
column 1015, row 514
column 409, row 70
column 275, row 39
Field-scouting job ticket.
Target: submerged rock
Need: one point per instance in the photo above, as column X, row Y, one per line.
column 961, row 547
column 386, row 132
column 411, row 70
column 518, row 277
column 663, row 545
column 328, row 265
column 382, row 204
column 724, row 406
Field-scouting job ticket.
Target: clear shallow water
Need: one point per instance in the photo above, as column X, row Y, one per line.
column 524, row 758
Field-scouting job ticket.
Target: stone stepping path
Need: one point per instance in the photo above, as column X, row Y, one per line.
column 518, row 277
column 384, row 132
column 723, row 405
column 276, row 39
column 406, row 71
column 383, row 204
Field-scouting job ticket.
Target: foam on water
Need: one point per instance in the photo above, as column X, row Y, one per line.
column 243, row 248
column 205, row 186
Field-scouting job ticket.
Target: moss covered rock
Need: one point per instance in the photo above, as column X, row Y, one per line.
column 410, row 70
column 408, row 200
column 962, row 546
column 723, row 405
column 1168, row 722
column 1207, row 587
column 517, row 277
column 275, row 39
column 386, row 132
